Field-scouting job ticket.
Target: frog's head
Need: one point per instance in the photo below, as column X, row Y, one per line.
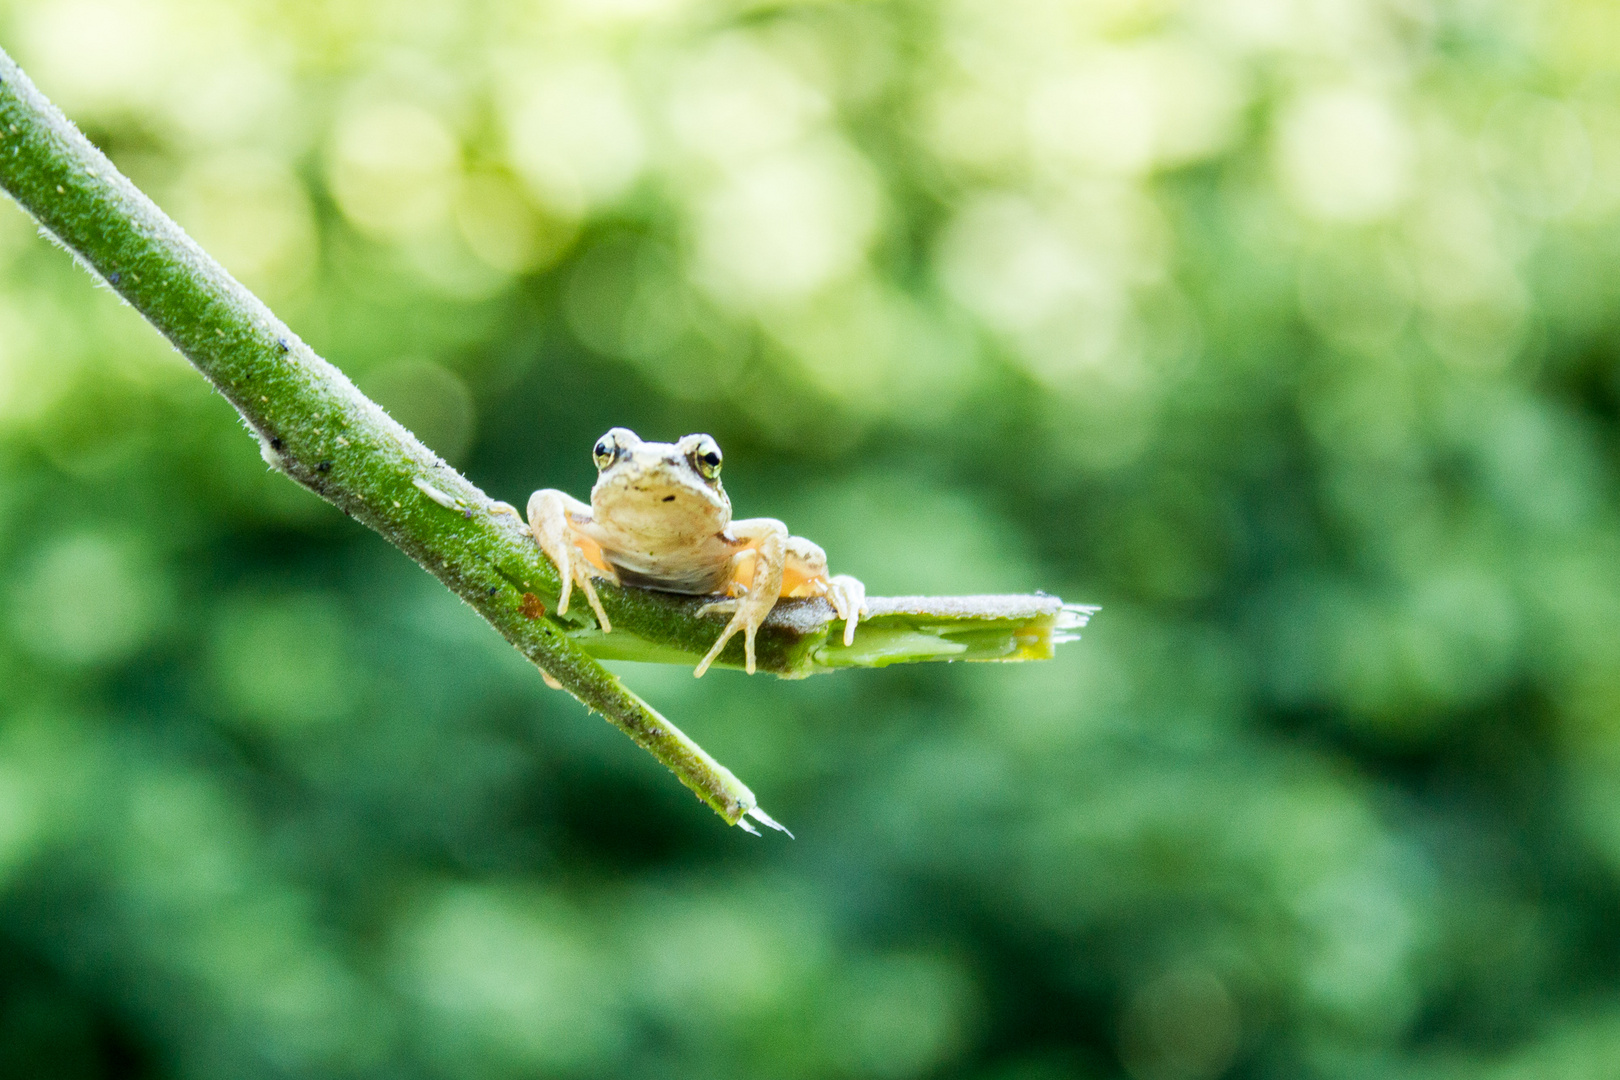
column 652, row 484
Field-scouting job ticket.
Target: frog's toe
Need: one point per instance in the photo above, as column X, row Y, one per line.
column 746, row 619
column 595, row 601
column 714, row 650
column 563, row 596
column 848, row 597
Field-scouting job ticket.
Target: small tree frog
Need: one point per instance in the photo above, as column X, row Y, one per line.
column 659, row 518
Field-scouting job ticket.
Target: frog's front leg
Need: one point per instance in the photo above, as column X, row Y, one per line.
column 557, row 519
column 768, row 538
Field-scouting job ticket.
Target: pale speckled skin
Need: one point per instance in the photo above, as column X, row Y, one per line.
column 659, row 518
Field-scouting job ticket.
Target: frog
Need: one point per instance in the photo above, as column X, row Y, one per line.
column 659, row 518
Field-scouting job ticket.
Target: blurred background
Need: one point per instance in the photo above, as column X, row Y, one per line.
column 1287, row 330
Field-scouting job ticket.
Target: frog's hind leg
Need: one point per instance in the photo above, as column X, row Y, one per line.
column 555, row 518
column 848, row 597
column 768, row 537
column 806, row 575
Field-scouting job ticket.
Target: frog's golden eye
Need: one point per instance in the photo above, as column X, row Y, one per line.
column 614, row 445
column 706, row 458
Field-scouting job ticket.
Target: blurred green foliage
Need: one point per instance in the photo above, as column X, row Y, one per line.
column 1286, row 329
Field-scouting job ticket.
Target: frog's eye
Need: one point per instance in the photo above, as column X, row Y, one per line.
column 706, row 458
column 616, row 443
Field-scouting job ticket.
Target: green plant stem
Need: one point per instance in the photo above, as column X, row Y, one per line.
column 311, row 422
column 313, row 425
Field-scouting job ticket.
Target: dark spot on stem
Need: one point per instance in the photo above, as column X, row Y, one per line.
column 281, row 343
column 467, row 513
column 276, row 444
column 115, row 277
column 325, row 466
column 493, row 589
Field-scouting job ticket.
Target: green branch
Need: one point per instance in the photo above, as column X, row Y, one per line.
column 317, row 428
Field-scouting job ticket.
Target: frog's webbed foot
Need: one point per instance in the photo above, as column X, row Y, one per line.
column 552, row 517
column 750, row 612
column 848, row 597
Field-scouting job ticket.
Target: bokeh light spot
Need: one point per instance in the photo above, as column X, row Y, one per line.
column 508, row 983
column 252, row 214
column 1344, row 155
column 88, row 598
column 1129, row 110
column 899, row 1015
column 393, row 168
column 97, row 55
column 283, row 663
column 574, row 136
column 1181, row 1026
column 786, row 225
column 736, row 101
column 1065, row 308
column 1537, row 152
column 504, row 230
